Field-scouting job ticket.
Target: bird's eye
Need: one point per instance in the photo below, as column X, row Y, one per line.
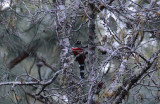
column 79, row 42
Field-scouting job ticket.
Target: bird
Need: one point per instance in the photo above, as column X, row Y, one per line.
column 78, row 52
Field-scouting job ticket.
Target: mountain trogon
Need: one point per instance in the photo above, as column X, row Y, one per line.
column 80, row 56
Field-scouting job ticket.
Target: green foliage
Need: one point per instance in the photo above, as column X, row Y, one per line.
column 25, row 25
column 112, row 24
column 13, row 43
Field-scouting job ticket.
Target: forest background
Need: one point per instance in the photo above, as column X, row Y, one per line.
column 121, row 40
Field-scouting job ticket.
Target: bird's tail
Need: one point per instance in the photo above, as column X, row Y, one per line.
column 82, row 71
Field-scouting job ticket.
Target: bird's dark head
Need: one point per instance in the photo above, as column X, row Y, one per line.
column 78, row 43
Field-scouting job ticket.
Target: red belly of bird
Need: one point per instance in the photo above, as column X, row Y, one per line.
column 77, row 51
column 81, row 57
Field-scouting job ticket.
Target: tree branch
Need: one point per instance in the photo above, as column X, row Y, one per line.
column 21, row 57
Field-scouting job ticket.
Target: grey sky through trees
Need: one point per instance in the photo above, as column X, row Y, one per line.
column 120, row 41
